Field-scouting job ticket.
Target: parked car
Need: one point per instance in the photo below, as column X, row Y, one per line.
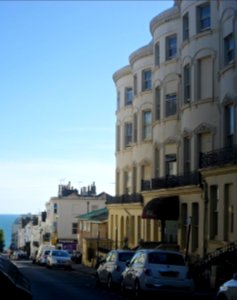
column 13, row 283
column 40, row 251
column 157, row 271
column 228, row 290
column 19, row 255
column 42, row 259
column 111, row 267
column 76, row 257
column 59, row 259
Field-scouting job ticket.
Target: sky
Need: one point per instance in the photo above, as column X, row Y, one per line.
column 57, row 94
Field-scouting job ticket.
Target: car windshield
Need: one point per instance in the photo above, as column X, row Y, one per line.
column 125, row 256
column 60, row 253
column 166, row 258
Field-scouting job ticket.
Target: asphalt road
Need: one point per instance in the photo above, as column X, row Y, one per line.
column 78, row 284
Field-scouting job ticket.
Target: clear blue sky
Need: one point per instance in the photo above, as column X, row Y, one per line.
column 57, row 95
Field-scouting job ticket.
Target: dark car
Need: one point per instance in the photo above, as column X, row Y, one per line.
column 228, row 290
column 111, row 267
column 13, row 284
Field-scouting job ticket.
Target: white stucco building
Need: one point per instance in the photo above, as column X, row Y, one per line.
column 176, row 131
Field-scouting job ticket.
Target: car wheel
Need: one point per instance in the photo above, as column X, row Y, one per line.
column 137, row 290
column 221, row 297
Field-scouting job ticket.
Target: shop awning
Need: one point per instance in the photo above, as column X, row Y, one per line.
column 165, row 208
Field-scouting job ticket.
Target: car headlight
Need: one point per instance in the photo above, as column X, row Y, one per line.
column 223, row 288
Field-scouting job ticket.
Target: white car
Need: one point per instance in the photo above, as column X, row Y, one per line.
column 228, row 290
column 42, row 259
column 111, row 267
column 59, row 259
column 157, row 271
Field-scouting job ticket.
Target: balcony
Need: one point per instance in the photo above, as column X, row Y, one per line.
column 171, row 181
column 219, row 157
column 125, row 199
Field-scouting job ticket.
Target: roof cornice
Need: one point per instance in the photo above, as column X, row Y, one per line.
column 166, row 16
column 141, row 52
column 122, row 72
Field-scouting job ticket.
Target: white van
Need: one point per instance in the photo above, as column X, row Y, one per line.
column 41, row 250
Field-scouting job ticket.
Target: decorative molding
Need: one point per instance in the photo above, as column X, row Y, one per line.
column 229, row 99
column 171, row 140
column 187, row 132
column 145, row 162
column 122, row 72
column 204, row 128
column 164, row 17
column 141, row 52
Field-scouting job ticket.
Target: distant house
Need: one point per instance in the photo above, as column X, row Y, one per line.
column 62, row 212
column 93, row 235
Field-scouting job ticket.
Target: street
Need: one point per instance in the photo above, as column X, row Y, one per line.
column 63, row 284
column 60, row 284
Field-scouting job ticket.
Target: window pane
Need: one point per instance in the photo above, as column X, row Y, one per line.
column 147, row 125
column 186, row 158
column 185, row 27
column 128, row 134
column 187, row 81
column 171, row 105
column 128, row 96
column 135, row 128
column 135, row 84
column 157, row 54
column 157, row 104
column 204, row 17
column 146, row 80
column 229, row 48
column 171, row 47
column 171, row 164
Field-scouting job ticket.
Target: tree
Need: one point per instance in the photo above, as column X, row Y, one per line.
column 2, row 240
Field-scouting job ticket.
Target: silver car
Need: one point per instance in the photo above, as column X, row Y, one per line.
column 111, row 267
column 157, row 271
column 228, row 290
column 59, row 259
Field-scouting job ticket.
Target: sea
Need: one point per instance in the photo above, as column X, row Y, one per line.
column 6, row 222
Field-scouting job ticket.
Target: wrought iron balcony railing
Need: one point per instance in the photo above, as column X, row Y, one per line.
column 191, row 178
column 125, row 199
column 219, row 157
